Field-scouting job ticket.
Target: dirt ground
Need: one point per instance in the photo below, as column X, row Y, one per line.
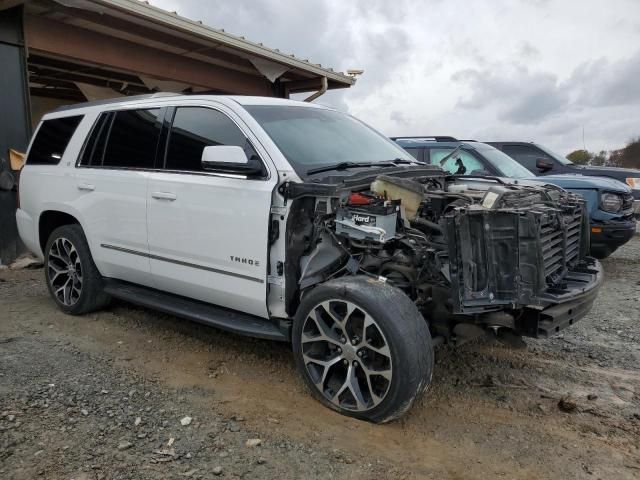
column 106, row 395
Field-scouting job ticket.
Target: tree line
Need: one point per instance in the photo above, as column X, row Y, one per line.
column 626, row 157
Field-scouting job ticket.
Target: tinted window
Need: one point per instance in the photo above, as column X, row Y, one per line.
column 415, row 152
column 94, row 149
column 556, row 156
column 193, row 129
column 52, row 139
column 524, row 155
column 133, row 139
column 503, row 163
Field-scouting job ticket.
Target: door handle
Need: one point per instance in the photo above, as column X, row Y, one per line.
column 86, row 187
column 164, row 196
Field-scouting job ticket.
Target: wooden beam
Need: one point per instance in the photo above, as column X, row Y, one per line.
column 60, row 93
column 71, row 42
column 173, row 39
column 55, row 64
column 298, row 86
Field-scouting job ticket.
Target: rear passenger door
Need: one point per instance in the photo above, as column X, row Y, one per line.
column 112, row 177
column 208, row 232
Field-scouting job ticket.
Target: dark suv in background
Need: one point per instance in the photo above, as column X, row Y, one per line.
column 609, row 202
column 540, row 160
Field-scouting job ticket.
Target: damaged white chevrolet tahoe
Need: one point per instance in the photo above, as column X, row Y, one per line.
column 294, row 222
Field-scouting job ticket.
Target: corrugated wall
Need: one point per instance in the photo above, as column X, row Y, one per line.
column 15, row 125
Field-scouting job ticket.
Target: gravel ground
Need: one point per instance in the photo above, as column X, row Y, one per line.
column 130, row 393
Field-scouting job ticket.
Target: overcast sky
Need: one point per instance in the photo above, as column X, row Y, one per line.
column 484, row 69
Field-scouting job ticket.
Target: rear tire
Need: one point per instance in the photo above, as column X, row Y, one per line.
column 73, row 280
column 363, row 348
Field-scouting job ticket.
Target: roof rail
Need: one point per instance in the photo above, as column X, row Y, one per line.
column 115, row 101
column 430, row 138
column 467, row 140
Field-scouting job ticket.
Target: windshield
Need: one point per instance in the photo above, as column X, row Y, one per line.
column 561, row 158
column 502, row 162
column 457, row 161
column 315, row 137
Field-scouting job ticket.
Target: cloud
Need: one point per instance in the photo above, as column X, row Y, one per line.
column 519, row 95
column 605, row 83
column 528, row 51
column 530, row 69
column 400, row 118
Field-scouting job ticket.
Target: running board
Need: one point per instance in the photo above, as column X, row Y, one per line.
column 201, row 312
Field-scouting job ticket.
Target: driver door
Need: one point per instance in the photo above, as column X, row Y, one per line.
column 208, row 232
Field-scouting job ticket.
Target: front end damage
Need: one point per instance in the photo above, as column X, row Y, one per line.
column 474, row 254
column 529, row 265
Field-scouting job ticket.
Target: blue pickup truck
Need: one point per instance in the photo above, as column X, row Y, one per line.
column 609, row 202
column 541, row 161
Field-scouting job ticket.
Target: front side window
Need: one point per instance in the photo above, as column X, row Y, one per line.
column 193, row 129
column 52, row 139
column 524, row 155
column 414, row 152
column 503, row 163
column 133, row 139
column 312, row 137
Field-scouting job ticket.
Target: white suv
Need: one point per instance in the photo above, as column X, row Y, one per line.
column 294, row 222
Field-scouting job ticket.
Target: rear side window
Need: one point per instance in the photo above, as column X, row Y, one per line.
column 193, row 129
column 93, row 152
column 52, row 139
column 133, row 139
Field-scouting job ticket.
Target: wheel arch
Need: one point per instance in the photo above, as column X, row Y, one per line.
column 51, row 219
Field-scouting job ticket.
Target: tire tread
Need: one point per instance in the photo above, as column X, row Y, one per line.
column 92, row 296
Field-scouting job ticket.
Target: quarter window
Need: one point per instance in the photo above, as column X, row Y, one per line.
column 52, row 139
column 133, row 139
column 193, row 129
column 94, row 149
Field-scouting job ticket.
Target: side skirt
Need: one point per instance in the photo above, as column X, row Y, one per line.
column 201, row 312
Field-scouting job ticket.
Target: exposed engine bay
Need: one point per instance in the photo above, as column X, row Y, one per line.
column 473, row 253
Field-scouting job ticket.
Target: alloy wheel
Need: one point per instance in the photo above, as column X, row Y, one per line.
column 346, row 355
column 64, row 270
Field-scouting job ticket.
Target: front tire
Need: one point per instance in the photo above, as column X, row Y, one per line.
column 601, row 252
column 73, row 280
column 363, row 348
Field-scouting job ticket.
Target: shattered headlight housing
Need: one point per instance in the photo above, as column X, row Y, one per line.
column 611, row 202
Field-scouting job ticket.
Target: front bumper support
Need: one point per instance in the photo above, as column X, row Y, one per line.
column 569, row 303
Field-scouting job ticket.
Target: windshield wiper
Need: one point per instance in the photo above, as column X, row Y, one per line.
column 347, row 165
column 404, row 161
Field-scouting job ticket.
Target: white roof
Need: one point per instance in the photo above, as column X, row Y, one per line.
column 250, row 100
column 165, row 98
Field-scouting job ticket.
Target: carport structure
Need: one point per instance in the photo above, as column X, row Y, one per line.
column 57, row 52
